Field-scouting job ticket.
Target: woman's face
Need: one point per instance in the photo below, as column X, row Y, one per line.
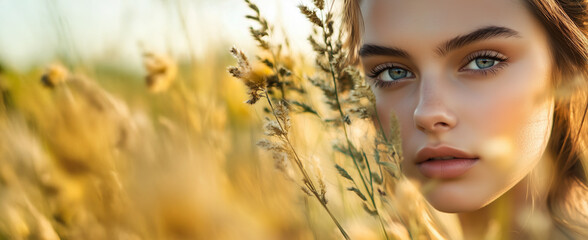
column 469, row 82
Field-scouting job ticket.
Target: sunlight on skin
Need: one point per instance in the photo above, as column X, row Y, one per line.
column 444, row 95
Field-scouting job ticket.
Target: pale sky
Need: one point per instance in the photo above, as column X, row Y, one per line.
column 34, row 32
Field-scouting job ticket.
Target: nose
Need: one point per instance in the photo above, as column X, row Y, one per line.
column 433, row 114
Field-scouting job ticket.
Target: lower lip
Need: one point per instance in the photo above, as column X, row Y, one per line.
column 446, row 169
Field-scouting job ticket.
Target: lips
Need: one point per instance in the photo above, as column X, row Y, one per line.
column 444, row 162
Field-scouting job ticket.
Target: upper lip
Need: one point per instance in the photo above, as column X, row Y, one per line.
column 427, row 153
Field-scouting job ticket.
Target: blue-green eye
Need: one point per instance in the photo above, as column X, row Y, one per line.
column 484, row 60
column 394, row 73
column 482, row 63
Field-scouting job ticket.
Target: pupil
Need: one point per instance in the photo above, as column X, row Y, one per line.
column 484, row 63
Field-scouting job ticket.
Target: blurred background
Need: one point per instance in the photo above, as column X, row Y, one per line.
column 119, row 120
column 37, row 32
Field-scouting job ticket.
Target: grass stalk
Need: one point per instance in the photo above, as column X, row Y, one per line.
column 306, row 178
column 334, row 78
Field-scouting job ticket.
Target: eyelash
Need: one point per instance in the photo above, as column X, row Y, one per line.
column 374, row 72
column 502, row 62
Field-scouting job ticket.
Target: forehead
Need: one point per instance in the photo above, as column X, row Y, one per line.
column 407, row 20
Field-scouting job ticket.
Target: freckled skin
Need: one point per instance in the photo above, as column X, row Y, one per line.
column 474, row 112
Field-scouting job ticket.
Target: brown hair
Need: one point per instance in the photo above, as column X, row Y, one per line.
column 566, row 23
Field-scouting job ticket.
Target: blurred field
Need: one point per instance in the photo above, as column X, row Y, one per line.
column 91, row 151
column 101, row 157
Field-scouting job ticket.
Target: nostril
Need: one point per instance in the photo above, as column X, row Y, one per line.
column 434, row 127
column 441, row 124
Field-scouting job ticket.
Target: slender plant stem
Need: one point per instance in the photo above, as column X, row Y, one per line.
column 296, row 157
column 396, row 160
column 307, row 180
column 334, row 219
column 275, row 63
column 334, row 78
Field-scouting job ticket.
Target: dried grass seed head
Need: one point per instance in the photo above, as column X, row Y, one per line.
column 281, row 156
column 320, row 4
column 255, row 78
column 54, row 75
column 268, row 145
column 282, row 111
column 256, row 82
column 273, row 128
column 311, row 15
column 316, row 166
column 243, row 67
column 161, row 71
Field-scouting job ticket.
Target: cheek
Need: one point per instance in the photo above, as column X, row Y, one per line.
column 514, row 118
column 516, row 140
column 402, row 104
column 394, row 103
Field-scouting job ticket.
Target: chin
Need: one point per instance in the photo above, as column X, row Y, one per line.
column 455, row 201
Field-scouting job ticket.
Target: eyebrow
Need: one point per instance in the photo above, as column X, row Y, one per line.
column 367, row 50
column 478, row 35
column 374, row 50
